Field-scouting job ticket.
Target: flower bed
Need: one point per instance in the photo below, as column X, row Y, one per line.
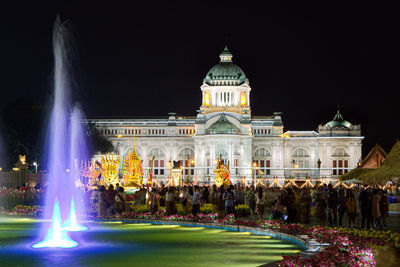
column 240, row 210
column 20, row 210
column 10, row 198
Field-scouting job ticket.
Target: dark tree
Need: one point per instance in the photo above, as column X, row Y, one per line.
column 100, row 143
column 22, row 130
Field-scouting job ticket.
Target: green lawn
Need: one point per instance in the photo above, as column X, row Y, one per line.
column 120, row 244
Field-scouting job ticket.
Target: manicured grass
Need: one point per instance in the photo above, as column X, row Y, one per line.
column 120, row 244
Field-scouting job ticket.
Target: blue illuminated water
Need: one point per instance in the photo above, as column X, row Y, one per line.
column 65, row 149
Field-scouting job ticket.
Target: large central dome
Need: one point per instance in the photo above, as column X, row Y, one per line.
column 225, row 72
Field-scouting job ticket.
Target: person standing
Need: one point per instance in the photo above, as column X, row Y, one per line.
column 221, row 202
column 342, row 206
column 110, row 198
column 365, row 206
column 277, row 213
column 206, row 194
column 169, row 198
column 320, row 205
column 305, row 205
column 154, row 197
column 351, row 207
column 251, row 198
column 102, row 202
column 384, row 207
column 214, row 198
column 120, row 200
column 291, row 206
column 260, row 204
column 332, row 206
column 196, row 200
column 229, row 198
column 375, row 212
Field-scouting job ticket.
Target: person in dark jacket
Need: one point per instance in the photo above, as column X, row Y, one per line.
column 342, row 206
column 365, row 206
column 332, row 203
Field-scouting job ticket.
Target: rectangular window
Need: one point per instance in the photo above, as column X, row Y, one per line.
column 340, row 163
column 346, row 163
column 334, row 164
column 192, row 172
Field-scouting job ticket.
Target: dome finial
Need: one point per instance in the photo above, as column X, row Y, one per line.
column 225, row 56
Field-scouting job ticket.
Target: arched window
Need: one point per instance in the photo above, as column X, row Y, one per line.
column 186, row 152
column 301, row 158
column 300, row 153
column 186, row 157
column 340, row 161
column 261, row 152
column 340, row 152
column 156, row 152
column 158, row 164
column 262, row 161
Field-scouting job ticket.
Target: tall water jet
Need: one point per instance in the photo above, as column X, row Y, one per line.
column 65, row 148
column 78, row 154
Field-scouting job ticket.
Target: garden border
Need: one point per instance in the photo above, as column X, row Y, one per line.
column 310, row 246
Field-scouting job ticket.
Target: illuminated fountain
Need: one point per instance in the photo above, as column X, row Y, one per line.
column 66, row 148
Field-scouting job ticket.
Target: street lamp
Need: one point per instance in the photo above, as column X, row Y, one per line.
column 36, row 165
column 254, row 166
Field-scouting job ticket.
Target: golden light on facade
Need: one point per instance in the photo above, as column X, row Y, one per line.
column 243, row 100
column 22, row 159
column 119, row 135
column 206, row 99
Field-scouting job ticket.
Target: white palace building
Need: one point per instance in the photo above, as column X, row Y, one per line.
column 255, row 146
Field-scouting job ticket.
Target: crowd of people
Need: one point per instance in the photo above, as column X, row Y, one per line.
column 325, row 203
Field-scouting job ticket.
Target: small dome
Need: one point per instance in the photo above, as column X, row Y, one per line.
column 225, row 72
column 222, row 126
column 338, row 122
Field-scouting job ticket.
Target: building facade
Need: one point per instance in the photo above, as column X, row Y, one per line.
column 256, row 147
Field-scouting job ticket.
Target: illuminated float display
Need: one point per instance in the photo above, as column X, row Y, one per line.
column 222, row 174
column 109, row 171
column 132, row 170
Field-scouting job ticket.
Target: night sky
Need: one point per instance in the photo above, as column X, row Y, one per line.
column 150, row 59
